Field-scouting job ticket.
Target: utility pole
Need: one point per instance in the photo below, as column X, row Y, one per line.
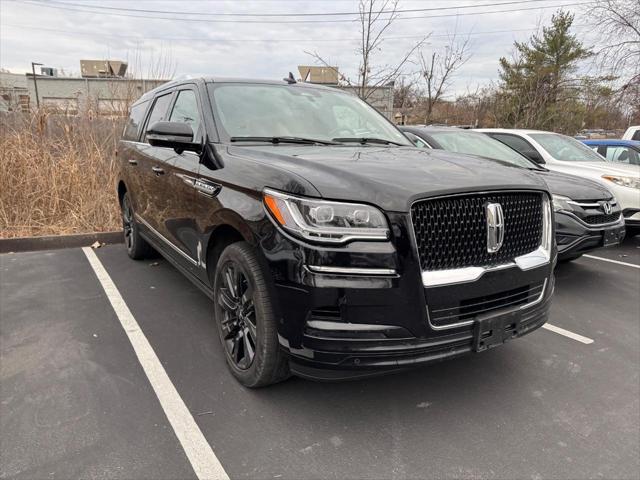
column 35, row 82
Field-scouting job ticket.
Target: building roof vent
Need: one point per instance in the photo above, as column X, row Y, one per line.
column 321, row 75
column 103, row 68
column 49, row 71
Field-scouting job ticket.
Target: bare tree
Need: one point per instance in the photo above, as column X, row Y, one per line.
column 619, row 24
column 438, row 68
column 375, row 17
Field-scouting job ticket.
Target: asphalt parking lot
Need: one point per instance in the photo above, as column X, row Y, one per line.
column 75, row 401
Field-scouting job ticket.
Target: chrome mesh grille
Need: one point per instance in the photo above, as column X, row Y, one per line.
column 451, row 232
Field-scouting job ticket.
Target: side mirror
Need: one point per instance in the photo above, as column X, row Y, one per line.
column 176, row 135
column 534, row 156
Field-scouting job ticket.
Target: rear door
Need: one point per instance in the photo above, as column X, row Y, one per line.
column 129, row 153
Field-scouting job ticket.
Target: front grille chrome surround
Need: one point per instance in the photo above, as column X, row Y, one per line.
column 464, row 314
column 539, row 255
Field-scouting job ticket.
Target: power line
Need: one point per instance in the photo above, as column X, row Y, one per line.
column 288, row 14
column 201, row 20
column 262, row 40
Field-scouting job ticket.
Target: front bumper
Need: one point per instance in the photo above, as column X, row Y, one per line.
column 632, row 217
column 574, row 237
column 336, row 325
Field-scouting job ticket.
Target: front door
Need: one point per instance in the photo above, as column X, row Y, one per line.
column 180, row 215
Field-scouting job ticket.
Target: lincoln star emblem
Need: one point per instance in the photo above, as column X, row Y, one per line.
column 606, row 207
column 495, row 226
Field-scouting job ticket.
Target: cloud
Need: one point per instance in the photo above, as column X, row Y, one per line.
column 60, row 38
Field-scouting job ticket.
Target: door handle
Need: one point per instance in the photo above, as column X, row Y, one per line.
column 132, row 161
column 157, row 170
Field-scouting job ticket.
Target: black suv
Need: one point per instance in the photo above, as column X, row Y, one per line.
column 330, row 247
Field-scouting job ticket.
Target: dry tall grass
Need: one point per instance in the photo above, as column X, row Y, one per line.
column 57, row 174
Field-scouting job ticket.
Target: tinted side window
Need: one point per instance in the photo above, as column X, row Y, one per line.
column 185, row 110
column 158, row 111
column 517, row 143
column 136, row 116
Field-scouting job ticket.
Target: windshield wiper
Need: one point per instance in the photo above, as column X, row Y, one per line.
column 277, row 140
column 365, row 140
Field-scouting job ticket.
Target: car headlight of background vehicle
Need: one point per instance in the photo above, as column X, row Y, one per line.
column 326, row 221
column 631, row 182
column 561, row 203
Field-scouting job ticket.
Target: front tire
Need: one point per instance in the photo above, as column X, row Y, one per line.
column 245, row 318
column 137, row 247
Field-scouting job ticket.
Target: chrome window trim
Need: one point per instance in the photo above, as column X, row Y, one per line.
column 528, row 261
column 352, row 270
column 165, row 239
column 470, row 322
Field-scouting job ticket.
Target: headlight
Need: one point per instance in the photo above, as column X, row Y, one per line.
column 631, row 182
column 324, row 221
column 561, row 203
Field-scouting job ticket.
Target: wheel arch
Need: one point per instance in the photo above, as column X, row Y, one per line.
column 231, row 230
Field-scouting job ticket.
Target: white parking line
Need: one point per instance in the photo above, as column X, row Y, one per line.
column 567, row 333
column 618, row 262
column 204, row 462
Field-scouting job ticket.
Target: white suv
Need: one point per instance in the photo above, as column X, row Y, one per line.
column 632, row 133
column 565, row 154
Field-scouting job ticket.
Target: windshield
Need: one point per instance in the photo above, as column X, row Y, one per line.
column 480, row 144
column 566, row 149
column 261, row 110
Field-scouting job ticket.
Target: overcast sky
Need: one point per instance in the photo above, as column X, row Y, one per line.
column 58, row 33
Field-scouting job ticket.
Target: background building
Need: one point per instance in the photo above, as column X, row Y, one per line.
column 102, row 90
column 381, row 98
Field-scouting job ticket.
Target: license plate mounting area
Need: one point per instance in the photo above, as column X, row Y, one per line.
column 489, row 332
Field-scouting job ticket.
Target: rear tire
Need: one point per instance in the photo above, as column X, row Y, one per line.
column 137, row 247
column 245, row 318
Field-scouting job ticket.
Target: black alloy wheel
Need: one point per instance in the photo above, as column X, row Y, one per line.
column 245, row 316
column 238, row 323
column 137, row 247
column 127, row 222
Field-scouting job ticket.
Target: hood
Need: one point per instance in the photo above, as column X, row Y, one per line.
column 603, row 168
column 389, row 177
column 576, row 188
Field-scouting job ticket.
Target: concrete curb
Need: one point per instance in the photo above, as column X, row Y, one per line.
column 32, row 244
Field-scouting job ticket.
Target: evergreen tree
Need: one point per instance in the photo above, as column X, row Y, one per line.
column 539, row 86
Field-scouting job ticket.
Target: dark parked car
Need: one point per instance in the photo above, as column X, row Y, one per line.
column 331, row 246
column 586, row 214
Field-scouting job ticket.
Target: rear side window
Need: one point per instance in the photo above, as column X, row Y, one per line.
column 158, row 111
column 185, row 110
column 136, row 116
column 636, row 136
column 517, row 143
